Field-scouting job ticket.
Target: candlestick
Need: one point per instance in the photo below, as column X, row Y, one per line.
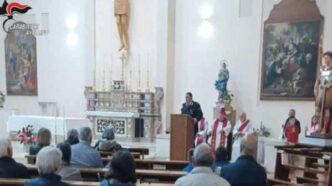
column 147, row 74
column 139, row 73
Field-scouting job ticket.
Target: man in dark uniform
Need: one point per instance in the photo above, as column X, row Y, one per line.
column 192, row 109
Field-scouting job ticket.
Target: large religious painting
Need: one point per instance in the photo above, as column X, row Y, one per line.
column 21, row 61
column 290, row 54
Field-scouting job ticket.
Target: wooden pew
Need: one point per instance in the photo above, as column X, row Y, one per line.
column 20, row 182
column 155, row 164
column 311, row 168
column 142, row 174
column 140, row 163
column 141, row 151
column 31, row 159
column 136, row 155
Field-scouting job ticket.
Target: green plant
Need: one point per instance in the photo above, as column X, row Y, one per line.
column 262, row 131
column 2, row 97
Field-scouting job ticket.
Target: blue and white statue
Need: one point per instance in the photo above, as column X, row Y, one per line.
column 221, row 84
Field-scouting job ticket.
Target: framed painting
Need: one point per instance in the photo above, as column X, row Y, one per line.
column 21, row 61
column 290, row 53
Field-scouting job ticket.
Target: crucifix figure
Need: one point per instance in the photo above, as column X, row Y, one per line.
column 121, row 12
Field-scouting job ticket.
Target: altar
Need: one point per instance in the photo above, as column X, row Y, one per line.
column 4, row 115
column 57, row 125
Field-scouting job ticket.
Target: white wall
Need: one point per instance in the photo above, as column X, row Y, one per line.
column 142, row 56
column 62, row 71
column 238, row 40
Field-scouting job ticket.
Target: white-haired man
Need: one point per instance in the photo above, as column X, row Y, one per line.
column 202, row 173
column 82, row 154
column 242, row 127
column 9, row 168
column 48, row 163
column 246, row 171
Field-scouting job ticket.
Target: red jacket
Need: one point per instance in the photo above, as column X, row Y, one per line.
column 292, row 133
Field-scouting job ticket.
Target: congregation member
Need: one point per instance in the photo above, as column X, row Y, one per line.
column 107, row 141
column 43, row 140
column 202, row 173
column 193, row 109
column 314, row 126
column 122, row 170
column 66, row 171
column 9, row 168
column 221, row 160
column 190, row 165
column 72, row 137
column 242, row 127
column 48, row 163
column 291, row 115
column 219, row 131
column 245, row 171
column 203, row 127
column 82, row 154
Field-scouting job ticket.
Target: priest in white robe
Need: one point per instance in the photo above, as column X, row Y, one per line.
column 219, row 130
column 242, row 127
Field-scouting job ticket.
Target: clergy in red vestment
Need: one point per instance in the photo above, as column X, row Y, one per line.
column 219, row 130
column 202, row 132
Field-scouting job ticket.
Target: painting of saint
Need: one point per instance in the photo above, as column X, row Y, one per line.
column 21, row 61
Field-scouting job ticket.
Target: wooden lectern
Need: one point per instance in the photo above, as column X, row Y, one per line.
column 182, row 136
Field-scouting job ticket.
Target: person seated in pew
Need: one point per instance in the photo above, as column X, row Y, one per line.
column 107, row 139
column 9, row 168
column 202, row 173
column 72, row 137
column 190, row 165
column 43, row 140
column 66, row 171
column 121, row 171
column 245, row 171
column 82, row 154
column 48, row 163
column 221, row 160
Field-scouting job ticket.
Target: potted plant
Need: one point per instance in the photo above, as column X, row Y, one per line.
column 2, row 99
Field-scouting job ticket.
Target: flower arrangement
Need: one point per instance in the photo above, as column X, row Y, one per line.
column 225, row 97
column 27, row 135
column 262, row 131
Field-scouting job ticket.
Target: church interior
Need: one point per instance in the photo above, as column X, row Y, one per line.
column 155, row 92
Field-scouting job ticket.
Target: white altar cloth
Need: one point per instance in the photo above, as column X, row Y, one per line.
column 57, row 125
column 4, row 114
column 113, row 114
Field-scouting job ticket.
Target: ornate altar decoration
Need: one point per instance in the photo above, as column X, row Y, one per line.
column 2, row 99
column 133, row 114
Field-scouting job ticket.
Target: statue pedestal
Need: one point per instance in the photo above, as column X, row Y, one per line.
column 316, row 141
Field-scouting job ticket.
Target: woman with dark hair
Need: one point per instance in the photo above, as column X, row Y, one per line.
column 43, row 140
column 72, row 137
column 122, row 170
column 66, row 171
